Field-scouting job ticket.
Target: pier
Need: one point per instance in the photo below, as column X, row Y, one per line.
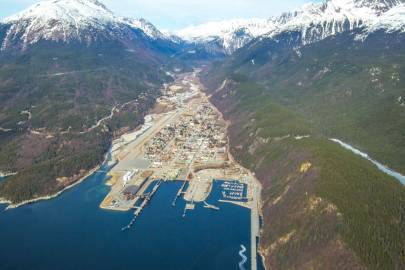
column 146, row 199
column 184, row 138
column 181, row 191
column 210, row 206
column 189, row 206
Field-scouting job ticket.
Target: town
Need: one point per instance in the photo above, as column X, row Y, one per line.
column 183, row 139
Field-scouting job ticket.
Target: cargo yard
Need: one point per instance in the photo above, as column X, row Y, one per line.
column 185, row 141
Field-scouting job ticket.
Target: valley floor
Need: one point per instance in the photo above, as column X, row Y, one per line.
column 186, row 141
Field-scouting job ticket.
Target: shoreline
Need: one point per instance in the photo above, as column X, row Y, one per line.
column 256, row 185
column 11, row 206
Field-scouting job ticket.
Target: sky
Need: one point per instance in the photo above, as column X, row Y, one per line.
column 177, row 14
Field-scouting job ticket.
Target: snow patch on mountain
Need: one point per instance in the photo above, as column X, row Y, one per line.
column 148, row 28
column 318, row 21
column 315, row 21
column 90, row 20
column 391, row 21
column 66, row 10
column 232, row 34
column 215, row 29
column 67, row 20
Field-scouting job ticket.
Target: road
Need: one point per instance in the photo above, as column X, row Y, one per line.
column 135, row 147
column 189, row 147
column 255, row 221
column 99, row 122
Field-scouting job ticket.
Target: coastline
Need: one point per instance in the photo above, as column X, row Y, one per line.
column 4, row 201
column 256, row 183
column 11, row 206
column 261, row 254
column 258, row 186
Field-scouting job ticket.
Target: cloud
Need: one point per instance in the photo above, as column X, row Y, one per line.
column 175, row 14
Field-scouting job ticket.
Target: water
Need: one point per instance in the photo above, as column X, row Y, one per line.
column 227, row 191
column 380, row 166
column 71, row 232
column 260, row 263
column 243, row 256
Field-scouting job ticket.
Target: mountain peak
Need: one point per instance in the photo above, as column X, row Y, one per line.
column 67, row 10
column 220, row 28
column 377, row 5
column 231, row 34
column 70, row 20
column 59, row 20
column 318, row 21
column 315, row 21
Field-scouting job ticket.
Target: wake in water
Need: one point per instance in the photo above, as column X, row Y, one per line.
column 243, row 256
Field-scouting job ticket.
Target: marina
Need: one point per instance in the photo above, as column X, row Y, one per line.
column 170, row 182
column 187, row 142
column 234, row 190
column 72, row 228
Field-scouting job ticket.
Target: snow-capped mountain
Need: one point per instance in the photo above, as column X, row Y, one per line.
column 313, row 21
column 147, row 27
column 391, row 21
column 89, row 20
column 71, row 20
column 231, row 34
column 318, row 21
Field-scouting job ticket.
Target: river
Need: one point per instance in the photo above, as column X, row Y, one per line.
column 381, row 167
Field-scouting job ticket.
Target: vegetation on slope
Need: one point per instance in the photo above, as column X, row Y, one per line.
column 347, row 89
column 51, row 99
column 324, row 207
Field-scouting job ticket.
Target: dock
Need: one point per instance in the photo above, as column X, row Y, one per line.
column 146, row 199
column 185, row 140
column 210, row 206
column 181, row 191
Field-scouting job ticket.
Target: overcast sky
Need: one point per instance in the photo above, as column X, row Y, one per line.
column 176, row 14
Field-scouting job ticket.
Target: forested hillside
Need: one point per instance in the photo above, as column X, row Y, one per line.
column 61, row 104
column 323, row 206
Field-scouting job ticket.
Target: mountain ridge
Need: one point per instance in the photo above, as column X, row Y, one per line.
column 85, row 21
column 315, row 21
column 90, row 20
column 283, row 105
column 323, row 71
column 70, row 63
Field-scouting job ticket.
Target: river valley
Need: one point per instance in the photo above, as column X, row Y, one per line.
column 212, row 224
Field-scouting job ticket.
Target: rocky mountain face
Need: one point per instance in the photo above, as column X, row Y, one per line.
column 330, row 70
column 89, row 21
column 84, row 21
column 378, row 5
column 287, row 85
column 284, row 104
column 64, row 65
column 226, row 36
column 313, row 22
